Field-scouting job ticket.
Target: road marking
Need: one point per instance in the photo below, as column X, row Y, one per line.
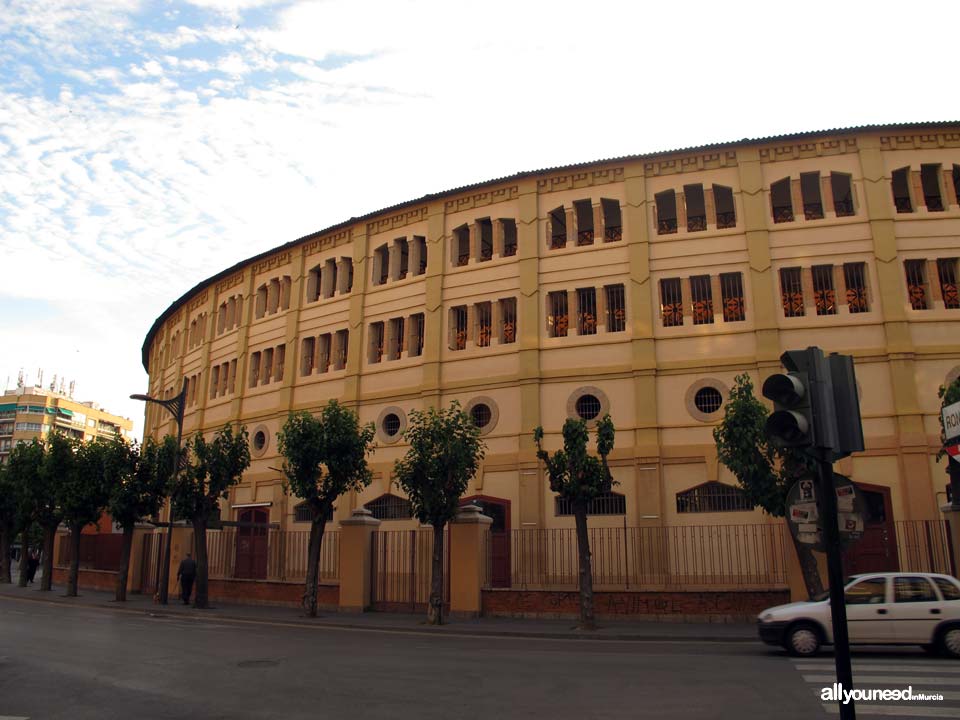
column 901, row 710
column 898, row 679
column 938, row 668
column 11, row 717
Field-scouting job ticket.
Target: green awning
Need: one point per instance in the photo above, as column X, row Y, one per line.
column 64, row 411
column 51, row 410
column 6, row 407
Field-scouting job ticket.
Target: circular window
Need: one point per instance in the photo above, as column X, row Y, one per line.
column 259, row 440
column 391, row 425
column 588, row 406
column 708, row 400
column 480, row 414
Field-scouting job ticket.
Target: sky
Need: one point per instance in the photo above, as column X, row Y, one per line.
column 145, row 146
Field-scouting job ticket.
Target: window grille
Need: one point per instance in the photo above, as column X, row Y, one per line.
column 731, row 291
column 484, row 324
column 708, row 400
column 671, row 302
column 723, row 199
column 416, row 343
column 588, row 407
column 508, row 320
column 666, row 202
column 304, row 513
column 391, row 424
column 587, row 311
column 781, row 201
column 608, row 503
column 947, row 273
column 901, row 190
column 824, row 296
column 485, row 227
column 557, row 319
column 916, row 283
column 842, row 194
column 713, row 497
column 612, row 222
column 930, row 182
column 702, row 298
column 855, row 277
column 481, row 415
column 791, row 292
column 616, row 308
column 509, row 238
column 390, row 507
column 459, row 340
column 558, row 228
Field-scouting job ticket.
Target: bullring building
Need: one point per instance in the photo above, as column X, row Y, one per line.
column 638, row 286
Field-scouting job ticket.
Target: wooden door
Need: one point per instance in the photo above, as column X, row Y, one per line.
column 876, row 551
column 252, row 544
column 499, row 510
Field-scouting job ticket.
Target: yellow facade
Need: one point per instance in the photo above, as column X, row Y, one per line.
column 643, row 284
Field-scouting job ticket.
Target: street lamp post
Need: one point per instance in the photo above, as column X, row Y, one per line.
column 175, row 407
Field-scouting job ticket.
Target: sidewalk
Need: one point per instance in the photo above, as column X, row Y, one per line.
column 623, row 630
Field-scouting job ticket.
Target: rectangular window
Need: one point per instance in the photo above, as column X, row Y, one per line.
column 323, row 353
column 812, row 199
column 701, row 293
column 947, row 274
column 855, row 278
column 415, row 343
column 917, row 283
column 376, row 342
column 381, row 265
column 254, row 369
column 340, row 349
column 612, row 220
column 484, row 321
column 842, row 190
column 224, row 378
column 308, row 348
column 485, row 227
column 791, row 292
column 232, row 383
column 781, row 201
column 279, row 354
column 584, row 213
column 956, row 182
column 930, row 181
column 671, row 302
column 266, row 367
column 419, row 255
column 901, row 190
column 509, row 237
column 404, row 250
column 214, row 381
column 508, row 320
column 731, row 290
column 349, row 283
column 616, row 308
column 261, row 302
column 824, row 295
column 696, row 208
column 458, row 327
column 723, row 199
column 396, row 338
column 558, row 228
column 329, row 283
column 587, row 311
column 461, row 246
column 557, row 318
column 666, row 202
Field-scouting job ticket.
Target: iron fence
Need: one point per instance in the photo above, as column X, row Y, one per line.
column 646, row 558
column 924, row 546
column 402, row 567
column 279, row 555
column 97, row 552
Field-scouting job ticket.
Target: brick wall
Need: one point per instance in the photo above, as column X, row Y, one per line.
column 717, row 606
column 88, row 580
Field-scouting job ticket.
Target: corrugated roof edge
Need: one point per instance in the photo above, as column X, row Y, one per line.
column 517, row 176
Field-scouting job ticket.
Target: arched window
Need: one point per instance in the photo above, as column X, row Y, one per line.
column 302, row 513
column 608, row 503
column 712, row 497
column 390, row 507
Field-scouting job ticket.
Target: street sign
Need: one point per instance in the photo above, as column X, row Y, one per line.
column 951, row 421
column 805, row 516
column 954, row 452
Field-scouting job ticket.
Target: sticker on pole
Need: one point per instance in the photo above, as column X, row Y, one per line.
column 805, row 519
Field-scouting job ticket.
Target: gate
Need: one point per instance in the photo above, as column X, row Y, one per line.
column 252, row 545
column 150, row 563
column 400, row 569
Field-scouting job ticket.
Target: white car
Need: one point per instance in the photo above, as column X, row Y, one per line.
column 882, row 609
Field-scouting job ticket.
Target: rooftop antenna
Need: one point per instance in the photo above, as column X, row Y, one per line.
column 20, row 378
column 53, row 384
column 62, row 381
column 73, row 384
column 39, row 383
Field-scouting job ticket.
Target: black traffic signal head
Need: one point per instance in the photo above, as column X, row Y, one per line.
column 791, row 422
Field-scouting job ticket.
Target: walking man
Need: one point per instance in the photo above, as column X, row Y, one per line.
column 186, row 574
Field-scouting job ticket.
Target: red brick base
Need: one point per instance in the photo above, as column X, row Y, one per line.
column 89, row 579
column 727, row 605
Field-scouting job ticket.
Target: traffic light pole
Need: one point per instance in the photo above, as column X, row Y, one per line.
column 838, row 608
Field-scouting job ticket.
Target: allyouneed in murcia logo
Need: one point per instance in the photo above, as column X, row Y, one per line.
column 838, row 694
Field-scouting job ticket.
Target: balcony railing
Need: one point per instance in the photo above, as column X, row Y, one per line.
column 667, row 226
column 783, row 214
column 726, row 220
column 696, row 223
column 813, row 211
column 613, row 233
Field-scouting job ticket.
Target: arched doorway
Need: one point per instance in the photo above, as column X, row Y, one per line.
column 499, row 510
column 252, row 544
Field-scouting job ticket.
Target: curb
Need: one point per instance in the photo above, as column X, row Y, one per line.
column 448, row 630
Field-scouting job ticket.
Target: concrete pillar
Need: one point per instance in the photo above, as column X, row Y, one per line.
column 468, row 544
column 356, row 544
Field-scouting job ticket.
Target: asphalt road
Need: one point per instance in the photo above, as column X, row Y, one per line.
column 78, row 663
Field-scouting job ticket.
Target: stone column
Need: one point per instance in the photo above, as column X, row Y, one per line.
column 356, row 546
column 468, row 545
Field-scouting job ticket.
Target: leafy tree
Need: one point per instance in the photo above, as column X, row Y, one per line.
column 579, row 477
column 208, row 473
column 11, row 519
column 765, row 472
column 58, row 462
column 325, row 457
column 445, row 452
column 23, row 472
column 142, row 478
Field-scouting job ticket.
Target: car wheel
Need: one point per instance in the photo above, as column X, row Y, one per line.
column 803, row 640
column 949, row 641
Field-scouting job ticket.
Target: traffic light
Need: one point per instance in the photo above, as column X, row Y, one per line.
column 846, row 402
column 792, row 422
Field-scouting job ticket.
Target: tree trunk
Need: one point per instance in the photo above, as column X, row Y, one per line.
column 74, row 577
column 121, row 591
column 24, row 552
column 586, row 568
column 5, row 535
column 200, row 550
column 808, row 566
column 317, row 526
column 49, row 534
column 435, row 608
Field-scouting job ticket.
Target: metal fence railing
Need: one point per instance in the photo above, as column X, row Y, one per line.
column 97, row 552
column 646, row 558
column 401, row 568
column 924, row 546
column 261, row 554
